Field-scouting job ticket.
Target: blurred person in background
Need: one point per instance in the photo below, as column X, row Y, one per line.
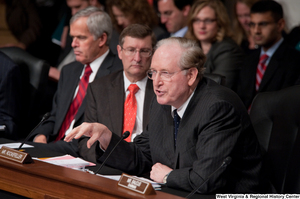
column 274, row 65
column 241, row 26
column 20, row 24
column 126, row 12
column 174, row 15
column 209, row 24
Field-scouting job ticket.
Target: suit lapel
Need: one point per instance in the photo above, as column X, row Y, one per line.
column 116, row 103
column 168, row 135
column 149, row 94
column 272, row 67
column 72, row 84
column 106, row 64
column 182, row 136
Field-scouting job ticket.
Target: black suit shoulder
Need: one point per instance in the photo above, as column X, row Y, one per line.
column 225, row 58
column 10, row 96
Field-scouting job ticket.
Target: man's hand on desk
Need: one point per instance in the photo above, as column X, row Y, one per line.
column 40, row 139
column 95, row 131
column 159, row 171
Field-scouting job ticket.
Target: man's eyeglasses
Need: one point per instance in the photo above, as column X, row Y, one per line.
column 164, row 75
column 132, row 52
column 166, row 14
column 260, row 25
column 205, row 21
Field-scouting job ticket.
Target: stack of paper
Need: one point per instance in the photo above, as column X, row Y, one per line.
column 69, row 161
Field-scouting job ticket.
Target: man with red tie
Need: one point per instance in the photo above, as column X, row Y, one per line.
column 274, row 65
column 91, row 32
column 122, row 99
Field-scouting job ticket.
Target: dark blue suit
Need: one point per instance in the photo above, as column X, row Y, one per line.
column 10, row 96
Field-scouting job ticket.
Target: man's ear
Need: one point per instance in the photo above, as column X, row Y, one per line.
column 192, row 74
column 102, row 40
column 119, row 48
column 281, row 24
column 186, row 10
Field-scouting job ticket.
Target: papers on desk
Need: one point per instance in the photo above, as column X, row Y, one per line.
column 155, row 185
column 68, row 161
column 15, row 145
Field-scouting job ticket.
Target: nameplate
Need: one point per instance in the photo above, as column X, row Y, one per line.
column 15, row 155
column 135, row 184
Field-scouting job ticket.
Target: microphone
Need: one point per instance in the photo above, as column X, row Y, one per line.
column 45, row 117
column 224, row 164
column 124, row 136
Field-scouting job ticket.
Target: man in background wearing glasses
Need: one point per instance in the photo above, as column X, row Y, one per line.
column 275, row 65
column 109, row 99
column 194, row 125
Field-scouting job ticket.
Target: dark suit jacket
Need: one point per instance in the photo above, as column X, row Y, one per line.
column 67, row 84
column 106, row 97
column 10, row 96
column 282, row 71
column 214, row 126
column 225, row 58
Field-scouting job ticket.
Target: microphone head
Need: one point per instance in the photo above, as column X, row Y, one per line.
column 125, row 134
column 46, row 116
column 227, row 161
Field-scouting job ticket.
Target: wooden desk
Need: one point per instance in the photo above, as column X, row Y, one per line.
column 43, row 180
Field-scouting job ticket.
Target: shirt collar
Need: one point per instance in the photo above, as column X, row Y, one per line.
column 180, row 33
column 95, row 65
column 141, row 84
column 271, row 50
column 182, row 108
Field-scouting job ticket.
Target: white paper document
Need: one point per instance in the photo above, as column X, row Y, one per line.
column 16, row 145
column 68, row 161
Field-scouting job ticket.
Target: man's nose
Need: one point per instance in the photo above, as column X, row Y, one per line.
column 74, row 43
column 137, row 56
column 163, row 19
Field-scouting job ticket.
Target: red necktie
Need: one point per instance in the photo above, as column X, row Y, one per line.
column 261, row 68
column 83, row 83
column 130, row 108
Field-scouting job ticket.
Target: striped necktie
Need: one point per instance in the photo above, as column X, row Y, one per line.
column 77, row 101
column 260, row 71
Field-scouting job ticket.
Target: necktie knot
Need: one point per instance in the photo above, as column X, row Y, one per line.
column 176, row 116
column 133, row 88
column 263, row 58
column 87, row 70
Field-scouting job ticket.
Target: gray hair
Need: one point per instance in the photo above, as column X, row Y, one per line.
column 98, row 22
column 192, row 55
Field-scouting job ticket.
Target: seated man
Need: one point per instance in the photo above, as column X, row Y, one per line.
column 194, row 124
column 106, row 96
column 275, row 65
column 10, row 97
column 94, row 60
